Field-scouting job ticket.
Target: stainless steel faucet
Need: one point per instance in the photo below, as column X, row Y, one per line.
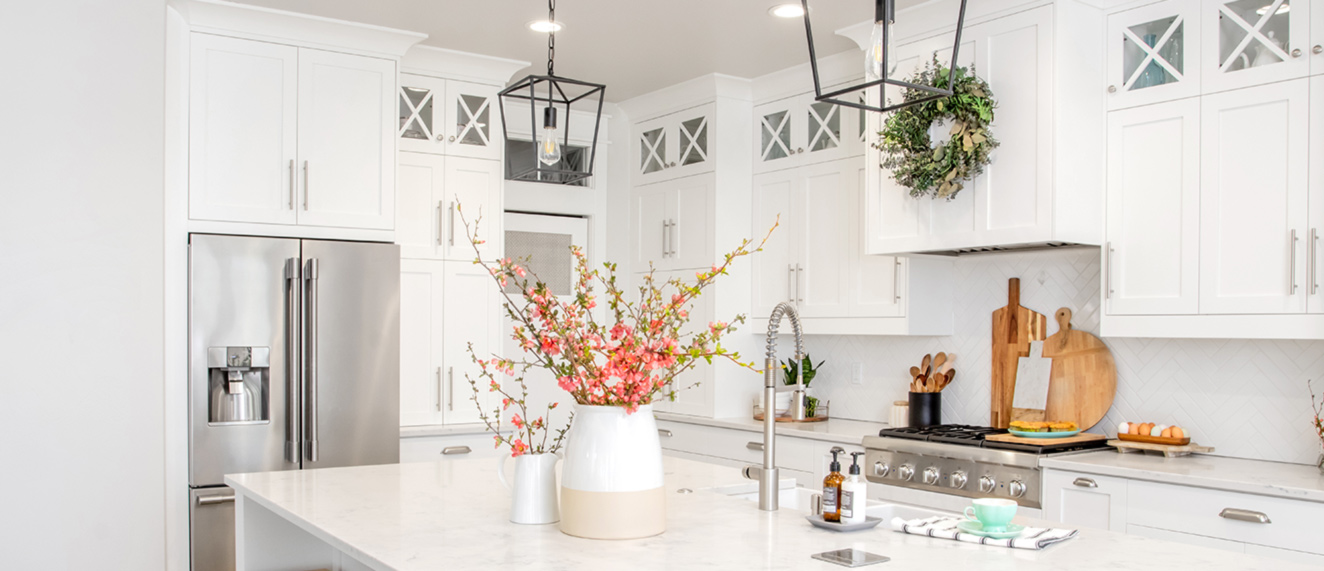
column 767, row 475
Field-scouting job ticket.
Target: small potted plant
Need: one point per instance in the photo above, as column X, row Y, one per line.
column 790, row 369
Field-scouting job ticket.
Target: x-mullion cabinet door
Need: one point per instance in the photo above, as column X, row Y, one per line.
column 1253, row 223
column 778, row 135
column 825, row 127
column 421, row 103
column 693, row 139
column 1252, row 42
column 243, row 101
column 1152, row 250
column 473, row 122
column 1153, row 54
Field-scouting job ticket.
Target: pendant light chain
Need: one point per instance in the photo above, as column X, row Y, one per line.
column 551, row 38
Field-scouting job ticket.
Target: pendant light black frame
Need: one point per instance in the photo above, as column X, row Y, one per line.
column 560, row 93
column 884, row 11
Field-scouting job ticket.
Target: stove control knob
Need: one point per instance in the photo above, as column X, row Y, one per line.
column 931, row 475
column 986, row 484
column 881, row 469
column 906, row 471
column 958, row 480
column 1016, row 488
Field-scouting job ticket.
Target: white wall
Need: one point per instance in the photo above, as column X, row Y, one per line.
column 1247, row 398
column 81, row 294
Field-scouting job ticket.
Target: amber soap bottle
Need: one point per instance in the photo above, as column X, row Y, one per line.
column 832, row 491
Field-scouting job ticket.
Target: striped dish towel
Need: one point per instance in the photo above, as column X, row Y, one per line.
column 945, row 527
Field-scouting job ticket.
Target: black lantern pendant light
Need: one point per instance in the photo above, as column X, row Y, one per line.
column 877, row 58
column 549, row 98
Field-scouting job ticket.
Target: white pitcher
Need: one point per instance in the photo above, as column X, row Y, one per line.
column 533, row 496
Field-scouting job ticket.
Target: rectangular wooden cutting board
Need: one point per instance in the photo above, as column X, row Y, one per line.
column 1014, row 327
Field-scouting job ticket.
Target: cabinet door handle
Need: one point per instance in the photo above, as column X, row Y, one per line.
column 896, row 281
column 756, row 446
column 799, row 284
column 665, row 226
column 664, row 432
column 438, row 389
column 1244, row 515
column 1296, row 52
column 450, row 388
column 292, row 177
column 451, row 221
column 452, row 450
column 1291, row 266
column 1085, row 483
column 1317, row 50
column 790, row 283
column 305, row 185
column 673, row 238
column 1108, row 273
column 441, row 222
column 1314, row 261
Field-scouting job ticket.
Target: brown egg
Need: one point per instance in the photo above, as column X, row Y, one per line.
column 1135, row 429
column 1167, row 432
column 1147, row 428
column 1178, row 433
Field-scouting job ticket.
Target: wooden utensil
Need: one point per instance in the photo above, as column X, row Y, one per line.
column 914, row 372
column 939, row 360
column 924, row 366
column 1084, row 377
column 1014, row 327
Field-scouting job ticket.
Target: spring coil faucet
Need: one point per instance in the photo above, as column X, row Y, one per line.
column 767, row 475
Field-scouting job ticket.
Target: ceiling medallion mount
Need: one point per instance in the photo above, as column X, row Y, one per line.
column 549, row 99
column 879, row 64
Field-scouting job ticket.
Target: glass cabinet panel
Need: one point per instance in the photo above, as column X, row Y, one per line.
column 776, row 138
column 1253, row 33
column 1152, row 53
column 694, row 141
column 472, row 123
column 653, row 151
column 824, row 126
column 416, row 113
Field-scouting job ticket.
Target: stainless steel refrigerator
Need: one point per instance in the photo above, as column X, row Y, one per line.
column 294, row 363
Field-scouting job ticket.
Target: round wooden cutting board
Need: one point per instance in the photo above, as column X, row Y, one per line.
column 1083, row 381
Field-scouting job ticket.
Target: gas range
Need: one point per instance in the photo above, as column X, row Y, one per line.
column 957, row 460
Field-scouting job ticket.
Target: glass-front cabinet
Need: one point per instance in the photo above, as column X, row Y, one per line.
column 1153, row 54
column 1251, row 42
column 448, row 117
column 798, row 131
column 675, row 145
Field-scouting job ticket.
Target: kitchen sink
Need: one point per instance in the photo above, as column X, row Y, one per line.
column 800, row 499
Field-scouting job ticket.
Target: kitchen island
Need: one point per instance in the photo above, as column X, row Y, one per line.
column 453, row 515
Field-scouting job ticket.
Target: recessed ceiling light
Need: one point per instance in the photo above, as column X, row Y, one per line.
column 787, row 10
column 544, row 26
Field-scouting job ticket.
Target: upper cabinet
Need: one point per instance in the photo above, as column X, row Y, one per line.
column 798, row 130
column 1044, row 182
column 675, row 145
column 437, row 196
column 671, row 223
column 1153, row 53
column 1317, row 41
column 449, row 117
column 1250, row 42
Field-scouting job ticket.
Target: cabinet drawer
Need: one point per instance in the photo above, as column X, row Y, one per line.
column 732, row 444
column 1289, row 525
column 459, row 446
column 1085, row 500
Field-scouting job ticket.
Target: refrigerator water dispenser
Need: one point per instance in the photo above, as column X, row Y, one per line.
column 240, row 381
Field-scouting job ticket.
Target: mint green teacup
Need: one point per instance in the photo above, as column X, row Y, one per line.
column 992, row 514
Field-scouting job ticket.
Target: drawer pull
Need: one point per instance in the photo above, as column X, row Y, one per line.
column 1244, row 515
column 451, row 450
column 214, row 500
column 754, row 446
column 1085, row 483
column 664, row 432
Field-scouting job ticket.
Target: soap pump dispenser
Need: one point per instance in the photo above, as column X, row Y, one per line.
column 853, row 492
column 832, row 489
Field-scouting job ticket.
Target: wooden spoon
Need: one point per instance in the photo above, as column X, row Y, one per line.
column 939, row 361
column 914, row 372
column 924, row 365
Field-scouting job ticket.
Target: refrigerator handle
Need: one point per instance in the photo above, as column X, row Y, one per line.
column 310, row 361
column 293, row 389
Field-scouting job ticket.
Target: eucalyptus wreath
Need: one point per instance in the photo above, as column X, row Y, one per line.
column 910, row 154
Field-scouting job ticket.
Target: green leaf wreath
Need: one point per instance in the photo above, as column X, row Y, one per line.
column 907, row 150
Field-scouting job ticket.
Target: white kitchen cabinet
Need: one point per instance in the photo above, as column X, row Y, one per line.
column 444, row 306
column 431, row 189
column 1253, row 223
column 675, row 145
column 1154, row 53
column 1085, row 500
column 1252, row 42
column 1151, row 258
column 444, row 447
column 286, row 135
column 243, row 116
column 1317, row 41
column 1315, row 237
column 1044, row 182
column 450, row 117
column 673, row 223
column 798, row 130
column 1223, row 515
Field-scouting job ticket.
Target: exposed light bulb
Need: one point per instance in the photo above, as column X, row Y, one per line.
column 549, row 149
column 873, row 55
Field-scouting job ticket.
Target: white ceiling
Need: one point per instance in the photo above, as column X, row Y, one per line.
column 633, row 46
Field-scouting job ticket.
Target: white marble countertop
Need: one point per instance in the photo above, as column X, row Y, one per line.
column 1294, row 481
column 453, row 515
column 836, row 430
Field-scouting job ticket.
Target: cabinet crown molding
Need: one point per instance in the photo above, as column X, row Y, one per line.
column 454, row 64
column 685, row 95
column 280, row 26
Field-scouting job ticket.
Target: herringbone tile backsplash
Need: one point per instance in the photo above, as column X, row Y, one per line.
column 1247, row 398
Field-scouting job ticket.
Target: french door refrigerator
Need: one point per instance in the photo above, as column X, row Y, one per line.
column 294, row 363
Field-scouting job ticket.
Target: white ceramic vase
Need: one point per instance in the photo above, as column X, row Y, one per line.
column 533, row 493
column 611, row 480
